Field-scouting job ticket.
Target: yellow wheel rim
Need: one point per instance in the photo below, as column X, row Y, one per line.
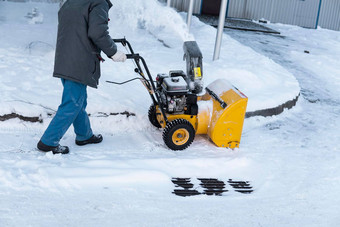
column 180, row 136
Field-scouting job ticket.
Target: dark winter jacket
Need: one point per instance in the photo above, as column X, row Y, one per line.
column 82, row 35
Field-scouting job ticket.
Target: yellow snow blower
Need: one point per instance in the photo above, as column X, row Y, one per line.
column 182, row 112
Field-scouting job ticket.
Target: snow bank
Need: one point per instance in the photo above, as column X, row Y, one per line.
column 162, row 22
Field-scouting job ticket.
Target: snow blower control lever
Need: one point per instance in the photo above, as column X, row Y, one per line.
column 215, row 96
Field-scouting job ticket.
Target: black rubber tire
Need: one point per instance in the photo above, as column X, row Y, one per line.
column 175, row 126
column 153, row 117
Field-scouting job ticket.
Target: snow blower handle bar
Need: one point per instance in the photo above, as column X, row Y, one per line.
column 133, row 56
column 124, row 42
column 137, row 58
column 155, row 96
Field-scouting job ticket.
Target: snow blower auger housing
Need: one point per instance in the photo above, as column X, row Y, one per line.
column 182, row 112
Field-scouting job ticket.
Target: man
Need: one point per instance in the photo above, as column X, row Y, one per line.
column 82, row 35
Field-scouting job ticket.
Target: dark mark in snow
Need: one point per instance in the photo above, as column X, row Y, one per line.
column 209, row 186
column 21, row 117
column 102, row 114
column 6, row 117
column 273, row 111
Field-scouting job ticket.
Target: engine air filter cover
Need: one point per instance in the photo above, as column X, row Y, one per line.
column 175, row 86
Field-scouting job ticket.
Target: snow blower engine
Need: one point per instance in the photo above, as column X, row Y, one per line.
column 178, row 91
column 183, row 111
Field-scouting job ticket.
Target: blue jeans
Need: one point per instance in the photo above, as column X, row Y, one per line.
column 70, row 111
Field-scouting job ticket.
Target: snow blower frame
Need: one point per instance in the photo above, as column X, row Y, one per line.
column 178, row 108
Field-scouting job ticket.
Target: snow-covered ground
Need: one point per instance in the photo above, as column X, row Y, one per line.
column 292, row 160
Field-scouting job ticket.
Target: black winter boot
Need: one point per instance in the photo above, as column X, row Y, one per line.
column 94, row 139
column 55, row 150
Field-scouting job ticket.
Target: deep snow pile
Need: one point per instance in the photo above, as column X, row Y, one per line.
column 292, row 160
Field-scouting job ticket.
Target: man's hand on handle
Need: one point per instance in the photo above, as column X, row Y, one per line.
column 119, row 57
